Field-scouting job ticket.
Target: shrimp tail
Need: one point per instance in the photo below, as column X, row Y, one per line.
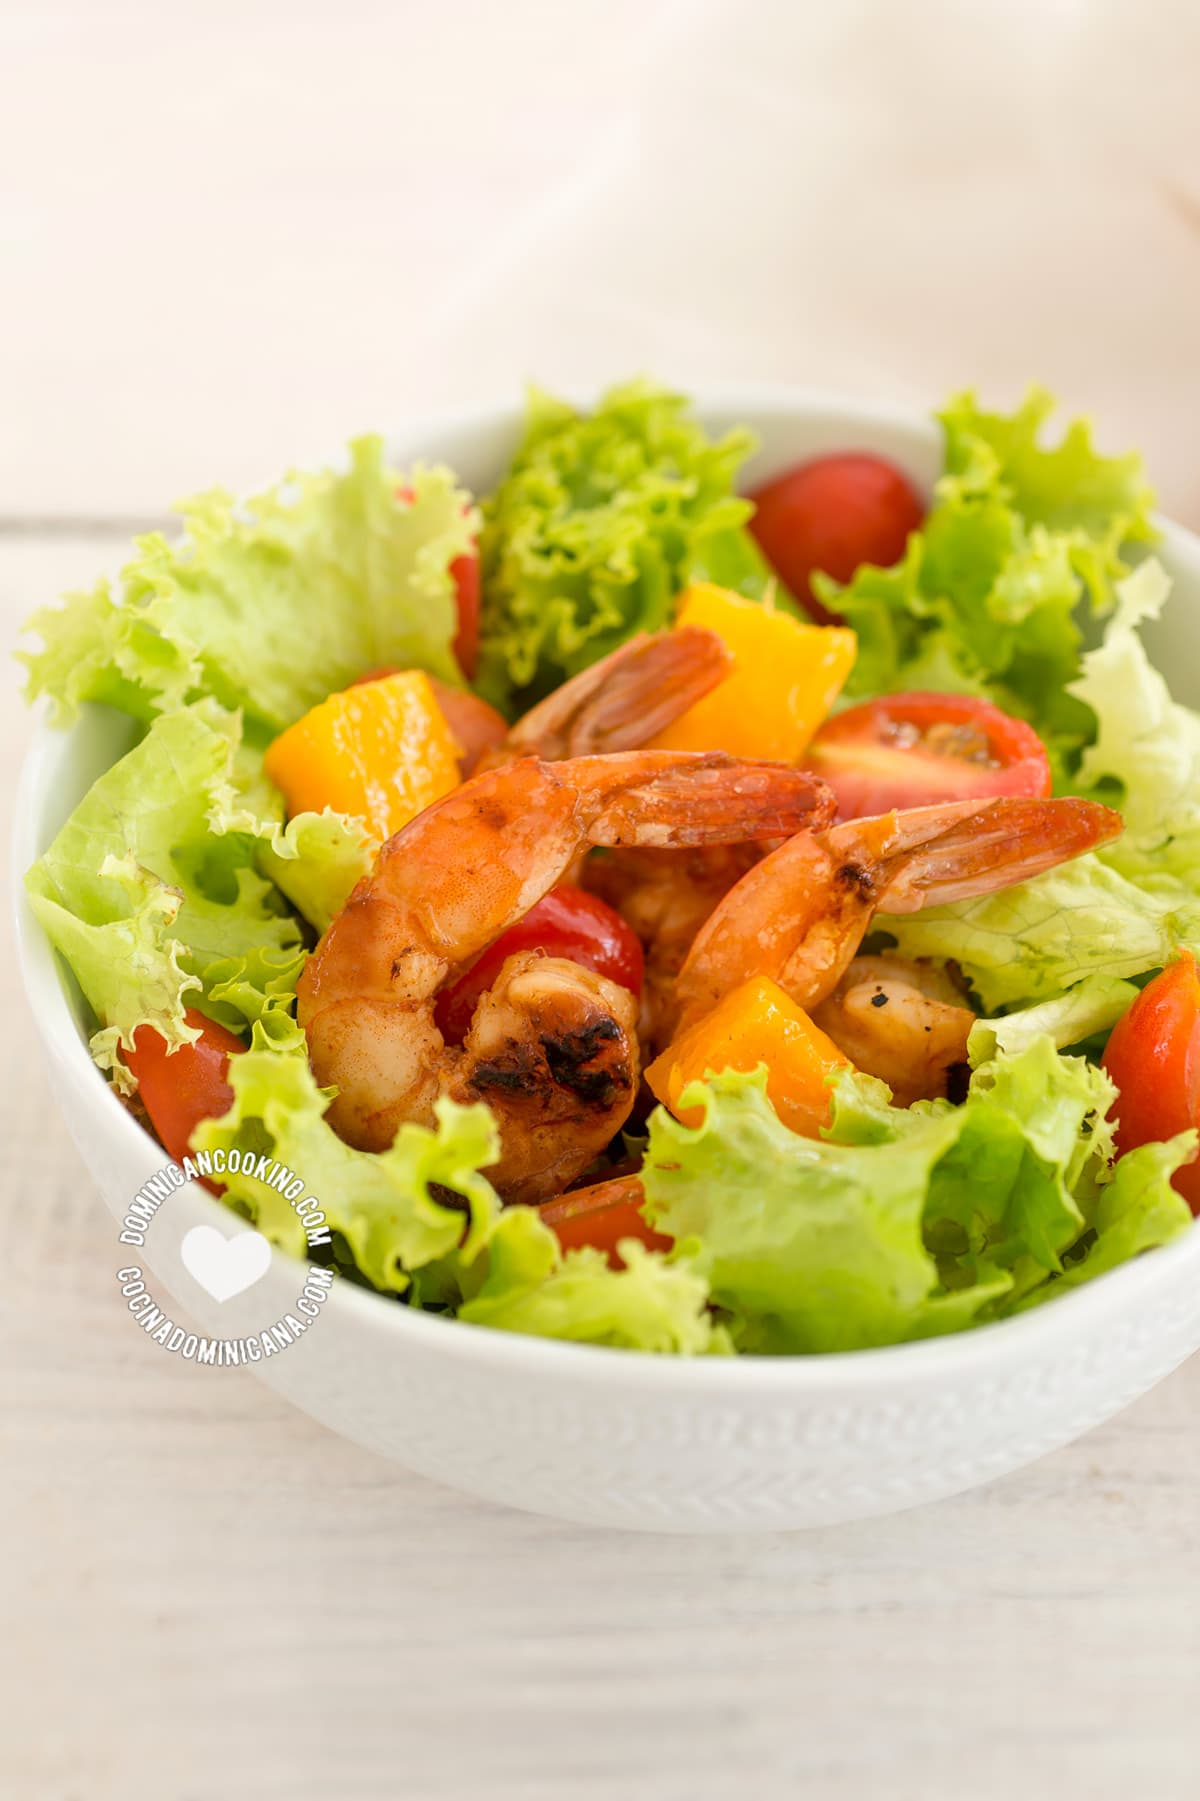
column 800, row 915
column 625, row 700
column 987, row 847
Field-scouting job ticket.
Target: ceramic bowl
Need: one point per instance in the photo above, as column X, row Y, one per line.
column 619, row 1438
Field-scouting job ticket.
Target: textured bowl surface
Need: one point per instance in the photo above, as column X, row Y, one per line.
column 617, row 1438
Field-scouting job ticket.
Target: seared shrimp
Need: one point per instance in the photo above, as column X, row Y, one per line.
column 552, row 1047
column 801, row 914
column 666, row 896
column 625, row 700
column 902, row 1021
column 620, row 703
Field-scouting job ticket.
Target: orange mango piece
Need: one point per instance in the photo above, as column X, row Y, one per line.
column 755, row 1023
column 786, row 675
column 382, row 751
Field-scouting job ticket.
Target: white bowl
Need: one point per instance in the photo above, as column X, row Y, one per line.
column 621, row 1438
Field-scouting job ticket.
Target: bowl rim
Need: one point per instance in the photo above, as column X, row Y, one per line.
column 1117, row 1293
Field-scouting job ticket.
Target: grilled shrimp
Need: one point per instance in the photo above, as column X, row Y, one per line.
column 620, row 703
column 666, row 896
column 902, row 1021
column 801, row 914
column 552, row 1047
column 623, row 701
column 617, row 705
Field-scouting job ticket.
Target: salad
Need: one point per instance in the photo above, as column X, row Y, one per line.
column 646, row 914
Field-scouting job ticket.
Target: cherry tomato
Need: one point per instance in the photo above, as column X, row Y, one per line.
column 916, row 750
column 834, row 514
column 602, row 1216
column 190, row 1084
column 1153, row 1056
column 465, row 572
column 567, row 922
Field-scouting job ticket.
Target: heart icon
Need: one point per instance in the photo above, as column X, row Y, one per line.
column 225, row 1266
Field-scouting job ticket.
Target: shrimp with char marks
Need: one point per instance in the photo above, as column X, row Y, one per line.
column 552, row 1047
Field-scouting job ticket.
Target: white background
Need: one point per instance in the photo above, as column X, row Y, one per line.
column 230, row 235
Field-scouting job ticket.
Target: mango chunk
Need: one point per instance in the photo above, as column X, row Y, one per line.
column 382, row 751
column 785, row 677
column 755, row 1023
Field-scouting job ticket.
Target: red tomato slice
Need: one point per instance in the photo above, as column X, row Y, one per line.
column 465, row 573
column 834, row 514
column 180, row 1089
column 1153, row 1056
column 916, row 750
column 564, row 923
column 602, row 1216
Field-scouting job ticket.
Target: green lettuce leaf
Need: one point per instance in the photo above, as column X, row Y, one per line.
column 1029, row 943
column 1127, row 910
column 599, row 522
column 268, row 605
column 422, row 1219
column 985, row 598
column 806, row 1246
column 651, row 1305
column 902, row 1223
column 1032, row 1144
column 1134, row 1212
column 316, row 859
column 1145, row 758
column 1088, row 1010
column 390, row 1207
column 155, row 902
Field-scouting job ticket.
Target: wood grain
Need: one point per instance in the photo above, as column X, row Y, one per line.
column 229, row 235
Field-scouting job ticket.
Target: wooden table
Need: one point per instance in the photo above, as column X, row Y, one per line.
column 231, row 234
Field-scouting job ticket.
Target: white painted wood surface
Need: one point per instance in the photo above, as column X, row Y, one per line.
column 229, row 235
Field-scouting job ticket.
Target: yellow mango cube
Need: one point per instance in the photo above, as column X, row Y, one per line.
column 755, row 1023
column 381, row 750
column 786, row 675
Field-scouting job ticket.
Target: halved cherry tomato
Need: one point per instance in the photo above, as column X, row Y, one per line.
column 180, row 1089
column 1153, row 1056
column 916, row 750
column 567, row 922
column 834, row 514
column 602, row 1216
column 465, row 572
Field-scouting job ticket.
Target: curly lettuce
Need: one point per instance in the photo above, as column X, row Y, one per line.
column 601, row 519
column 268, row 605
column 985, row 600
column 905, row 1224
column 421, row 1219
column 651, row 1304
column 1125, row 911
column 152, row 895
column 1145, row 753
